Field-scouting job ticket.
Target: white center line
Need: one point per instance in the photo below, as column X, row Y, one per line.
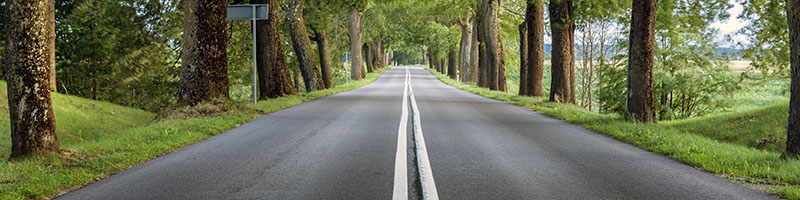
column 400, row 162
column 425, row 171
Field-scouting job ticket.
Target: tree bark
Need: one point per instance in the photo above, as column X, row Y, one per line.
column 452, row 70
column 274, row 79
column 204, row 71
column 353, row 24
column 368, row 56
column 535, row 14
column 474, row 56
column 464, row 50
column 793, row 133
column 27, row 58
column 324, row 57
column 52, row 43
column 562, row 27
column 523, row 58
column 640, row 104
column 491, row 60
column 302, row 46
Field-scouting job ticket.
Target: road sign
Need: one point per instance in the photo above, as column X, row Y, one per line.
column 245, row 12
column 250, row 12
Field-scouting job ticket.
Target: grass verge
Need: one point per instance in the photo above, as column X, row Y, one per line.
column 721, row 151
column 280, row 103
column 99, row 139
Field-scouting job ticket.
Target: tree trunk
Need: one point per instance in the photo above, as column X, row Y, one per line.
column 793, row 133
column 452, row 64
column 430, row 59
column 380, row 58
column 27, row 57
column 523, row 58
column 474, row 56
column 204, row 71
column 52, row 43
column 491, row 60
column 535, row 12
column 640, row 104
column 464, row 50
column 274, row 79
column 324, row 58
column 501, row 70
column 368, row 56
column 353, row 24
column 562, row 26
column 302, row 46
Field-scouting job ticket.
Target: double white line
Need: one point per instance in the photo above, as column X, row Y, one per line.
column 401, row 161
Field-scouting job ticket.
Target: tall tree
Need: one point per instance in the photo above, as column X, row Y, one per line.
column 321, row 37
column 302, row 45
column 322, row 20
column 204, row 71
column 640, row 104
column 491, row 62
column 274, row 79
column 33, row 125
column 534, row 17
column 464, row 50
column 793, row 133
column 523, row 58
column 369, row 56
column 452, row 72
column 474, row 56
column 51, row 22
column 562, row 28
column 353, row 27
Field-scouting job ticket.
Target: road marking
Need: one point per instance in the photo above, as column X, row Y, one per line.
column 400, row 160
column 425, row 171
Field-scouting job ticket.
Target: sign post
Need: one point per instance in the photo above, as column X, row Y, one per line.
column 252, row 12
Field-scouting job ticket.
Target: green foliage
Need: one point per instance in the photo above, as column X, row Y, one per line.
column 124, row 52
column 610, row 87
column 768, row 35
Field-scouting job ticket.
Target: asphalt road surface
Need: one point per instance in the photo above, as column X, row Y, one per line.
column 408, row 135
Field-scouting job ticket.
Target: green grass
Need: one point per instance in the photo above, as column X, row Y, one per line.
column 99, row 139
column 722, row 144
column 275, row 104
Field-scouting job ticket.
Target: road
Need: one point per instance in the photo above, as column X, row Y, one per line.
column 359, row 145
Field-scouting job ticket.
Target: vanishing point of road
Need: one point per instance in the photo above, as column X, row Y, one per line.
column 409, row 136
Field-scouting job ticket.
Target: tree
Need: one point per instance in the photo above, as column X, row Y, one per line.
column 33, row 125
column 562, row 27
column 534, row 17
column 321, row 14
column 353, row 27
column 474, row 56
column 302, row 45
column 766, row 28
column 274, row 79
column 640, row 104
column 793, row 131
column 464, row 50
column 204, row 72
column 452, row 72
column 51, row 22
column 491, row 62
column 523, row 58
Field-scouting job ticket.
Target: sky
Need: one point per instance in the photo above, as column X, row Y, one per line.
column 731, row 26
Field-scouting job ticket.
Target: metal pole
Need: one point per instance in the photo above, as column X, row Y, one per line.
column 255, row 81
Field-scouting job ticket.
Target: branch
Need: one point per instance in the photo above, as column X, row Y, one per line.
column 513, row 12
